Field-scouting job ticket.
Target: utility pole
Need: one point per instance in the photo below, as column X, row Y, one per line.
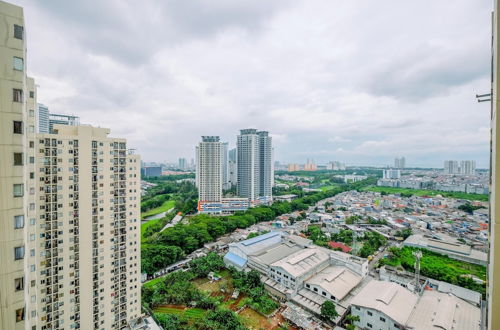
column 418, row 255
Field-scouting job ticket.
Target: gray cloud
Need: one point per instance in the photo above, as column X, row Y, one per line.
column 329, row 79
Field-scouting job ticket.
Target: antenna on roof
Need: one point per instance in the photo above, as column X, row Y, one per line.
column 418, row 255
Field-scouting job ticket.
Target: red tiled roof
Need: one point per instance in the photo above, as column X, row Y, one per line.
column 342, row 246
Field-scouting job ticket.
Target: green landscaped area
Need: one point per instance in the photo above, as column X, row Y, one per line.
column 189, row 313
column 418, row 192
column 325, row 188
column 439, row 267
column 167, row 205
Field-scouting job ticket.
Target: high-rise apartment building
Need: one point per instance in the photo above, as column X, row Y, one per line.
column 255, row 172
column 310, row 165
column 88, row 189
column 468, row 167
column 225, row 166
column 247, row 144
column 391, row 174
column 266, row 168
column 209, row 170
column 231, row 155
column 451, row 167
column 183, row 164
column 293, row 167
column 58, row 119
column 43, row 118
column 400, row 162
column 17, row 125
column 69, row 211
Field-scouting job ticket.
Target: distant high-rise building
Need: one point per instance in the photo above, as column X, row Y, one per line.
column 310, row 165
column 43, row 119
column 266, row 168
column 293, row 167
column 233, row 170
column 62, row 120
column 151, row 171
column 209, row 170
column 254, row 153
column 392, row 174
column 248, row 164
column 451, row 167
column 182, row 163
column 225, row 166
column 468, row 167
column 335, row 166
column 400, row 162
column 232, row 155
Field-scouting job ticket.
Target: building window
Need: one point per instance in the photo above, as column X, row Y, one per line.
column 19, row 253
column 18, row 63
column 32, row 113
column 20, row 314
column 17, row 95
column 32, row 144
column 18, row 127
column 369, row 325
column 18, row 31
column 315, row 289
column 323, row 293
column 18, row 190
column 32, row 94
column 308, row 286
column 370, row 313
column 19, row 283
column 382, row 319
column 357, row 308
column 18, row 221
column 32, row 129
column 18, row 158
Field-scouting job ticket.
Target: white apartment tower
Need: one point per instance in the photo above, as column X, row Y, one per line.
column 248, row 158
column 43, row 118
column 266, row 168
column 17, row 127
column 254, row 165
column 209, row 169
column 225, row 166
column 451, row 167
column 400, row 162
column 88, row 189
column 468, row 167
column 69, row 211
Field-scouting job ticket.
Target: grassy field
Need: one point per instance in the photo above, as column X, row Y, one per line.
column 152, row 282
column 417, row 192
column 325, row 188
column 163, row 208
column 190, row 313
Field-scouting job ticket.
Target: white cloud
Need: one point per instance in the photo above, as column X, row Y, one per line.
column 328, row 79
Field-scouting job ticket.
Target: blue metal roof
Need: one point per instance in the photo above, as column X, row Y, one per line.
column 259, row 238
column 236, row 260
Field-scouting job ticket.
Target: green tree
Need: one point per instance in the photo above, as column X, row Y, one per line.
column 328, row 310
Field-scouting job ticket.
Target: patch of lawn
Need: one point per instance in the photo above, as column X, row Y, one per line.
column 190, row 313
column 167, row 205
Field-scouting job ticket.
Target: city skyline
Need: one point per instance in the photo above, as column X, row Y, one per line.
column 421, row 92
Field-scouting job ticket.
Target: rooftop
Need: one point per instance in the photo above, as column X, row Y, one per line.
column 389, row 298
column 302, row 261
column 444, row 311
column 337, row 281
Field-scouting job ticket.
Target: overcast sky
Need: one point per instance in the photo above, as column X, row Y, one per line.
column 355, row 81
